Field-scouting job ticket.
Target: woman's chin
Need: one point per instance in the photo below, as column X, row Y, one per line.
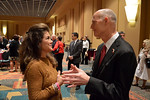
column 51, row 49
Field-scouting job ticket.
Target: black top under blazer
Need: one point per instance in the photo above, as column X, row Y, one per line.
column 113, row 78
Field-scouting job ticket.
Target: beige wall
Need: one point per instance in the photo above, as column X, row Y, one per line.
column 18, row 25
column 78, row 18
column 19, row 28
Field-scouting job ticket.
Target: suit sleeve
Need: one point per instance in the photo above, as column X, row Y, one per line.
column 68, row 53
column 123, row 73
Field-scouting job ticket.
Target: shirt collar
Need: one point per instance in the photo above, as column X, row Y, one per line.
column 75, row 40
column 111, row 41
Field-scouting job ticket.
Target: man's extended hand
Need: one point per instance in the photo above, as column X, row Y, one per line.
column 75, row 77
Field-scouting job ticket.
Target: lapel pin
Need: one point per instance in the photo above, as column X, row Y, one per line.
column 113, row 50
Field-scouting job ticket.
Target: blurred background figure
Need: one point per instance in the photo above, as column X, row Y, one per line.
column 88, row 41
column 7, row 46
column 74, row 52
column 3, row 42
column 14, row 47
column 54, row 42
column 122, row 34
column 9, row 41
column 84, row 51
column 81, row 38
column 59, row 55
column 141, row 70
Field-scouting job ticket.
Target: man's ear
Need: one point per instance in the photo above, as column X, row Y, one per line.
column 106, row 19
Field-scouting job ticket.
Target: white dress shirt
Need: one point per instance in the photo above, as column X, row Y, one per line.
column 111, row 41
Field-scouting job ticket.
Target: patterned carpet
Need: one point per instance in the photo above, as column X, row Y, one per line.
column 13, row 88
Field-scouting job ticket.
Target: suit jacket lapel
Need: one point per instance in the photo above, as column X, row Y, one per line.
column 108, row 57
column 75, row 45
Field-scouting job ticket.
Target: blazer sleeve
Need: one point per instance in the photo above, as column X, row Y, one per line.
column 124, row 70
column 35, row 82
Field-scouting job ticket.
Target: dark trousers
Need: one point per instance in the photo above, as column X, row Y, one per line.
column 59, row 58
column 71, row 62
column 69, row 65
column 84, row 58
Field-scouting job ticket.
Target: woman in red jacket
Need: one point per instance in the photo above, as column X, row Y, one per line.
column 59, row 55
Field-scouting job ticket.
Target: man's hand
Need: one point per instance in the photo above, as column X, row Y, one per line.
column 70, row 57
column 75, row 76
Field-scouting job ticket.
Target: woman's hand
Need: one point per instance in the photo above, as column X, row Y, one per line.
column 59, row 78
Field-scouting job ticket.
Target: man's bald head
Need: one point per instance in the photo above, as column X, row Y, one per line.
column 53, row 37
column 106, row 13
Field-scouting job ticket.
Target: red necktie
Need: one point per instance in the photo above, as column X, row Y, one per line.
column 103, row 52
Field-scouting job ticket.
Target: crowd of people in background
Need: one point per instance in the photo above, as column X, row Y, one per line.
column 10, row 48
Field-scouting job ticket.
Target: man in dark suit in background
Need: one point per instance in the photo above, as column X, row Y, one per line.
column 112, row 76
column 122, row 34
column 74, row 53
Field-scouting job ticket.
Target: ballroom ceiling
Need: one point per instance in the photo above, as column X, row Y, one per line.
column 31, row 8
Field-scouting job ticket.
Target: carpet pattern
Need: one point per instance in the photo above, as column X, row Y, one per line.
column 13, row 88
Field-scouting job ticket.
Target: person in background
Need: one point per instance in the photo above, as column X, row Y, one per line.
column 122, row 34
column 1, row 41
column 54, row 42
column 59, row 55
column 20, row 39
column 39, row 66
column 84, row 52
column 114, row 65
column 9, row 41
column 7, row 46
column 81, row 38
column 5, row 42
column 75, row 50
column 141, row 70
column 14, row 55
column 88, row 41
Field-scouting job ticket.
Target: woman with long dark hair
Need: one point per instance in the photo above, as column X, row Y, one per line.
column 39, row 66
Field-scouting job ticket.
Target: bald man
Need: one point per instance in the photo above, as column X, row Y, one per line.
column 54, row 42
column 114, row 66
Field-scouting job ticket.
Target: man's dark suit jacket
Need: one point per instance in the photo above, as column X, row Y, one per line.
column 113, row 78
column 53, row 44
column 75, row 51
